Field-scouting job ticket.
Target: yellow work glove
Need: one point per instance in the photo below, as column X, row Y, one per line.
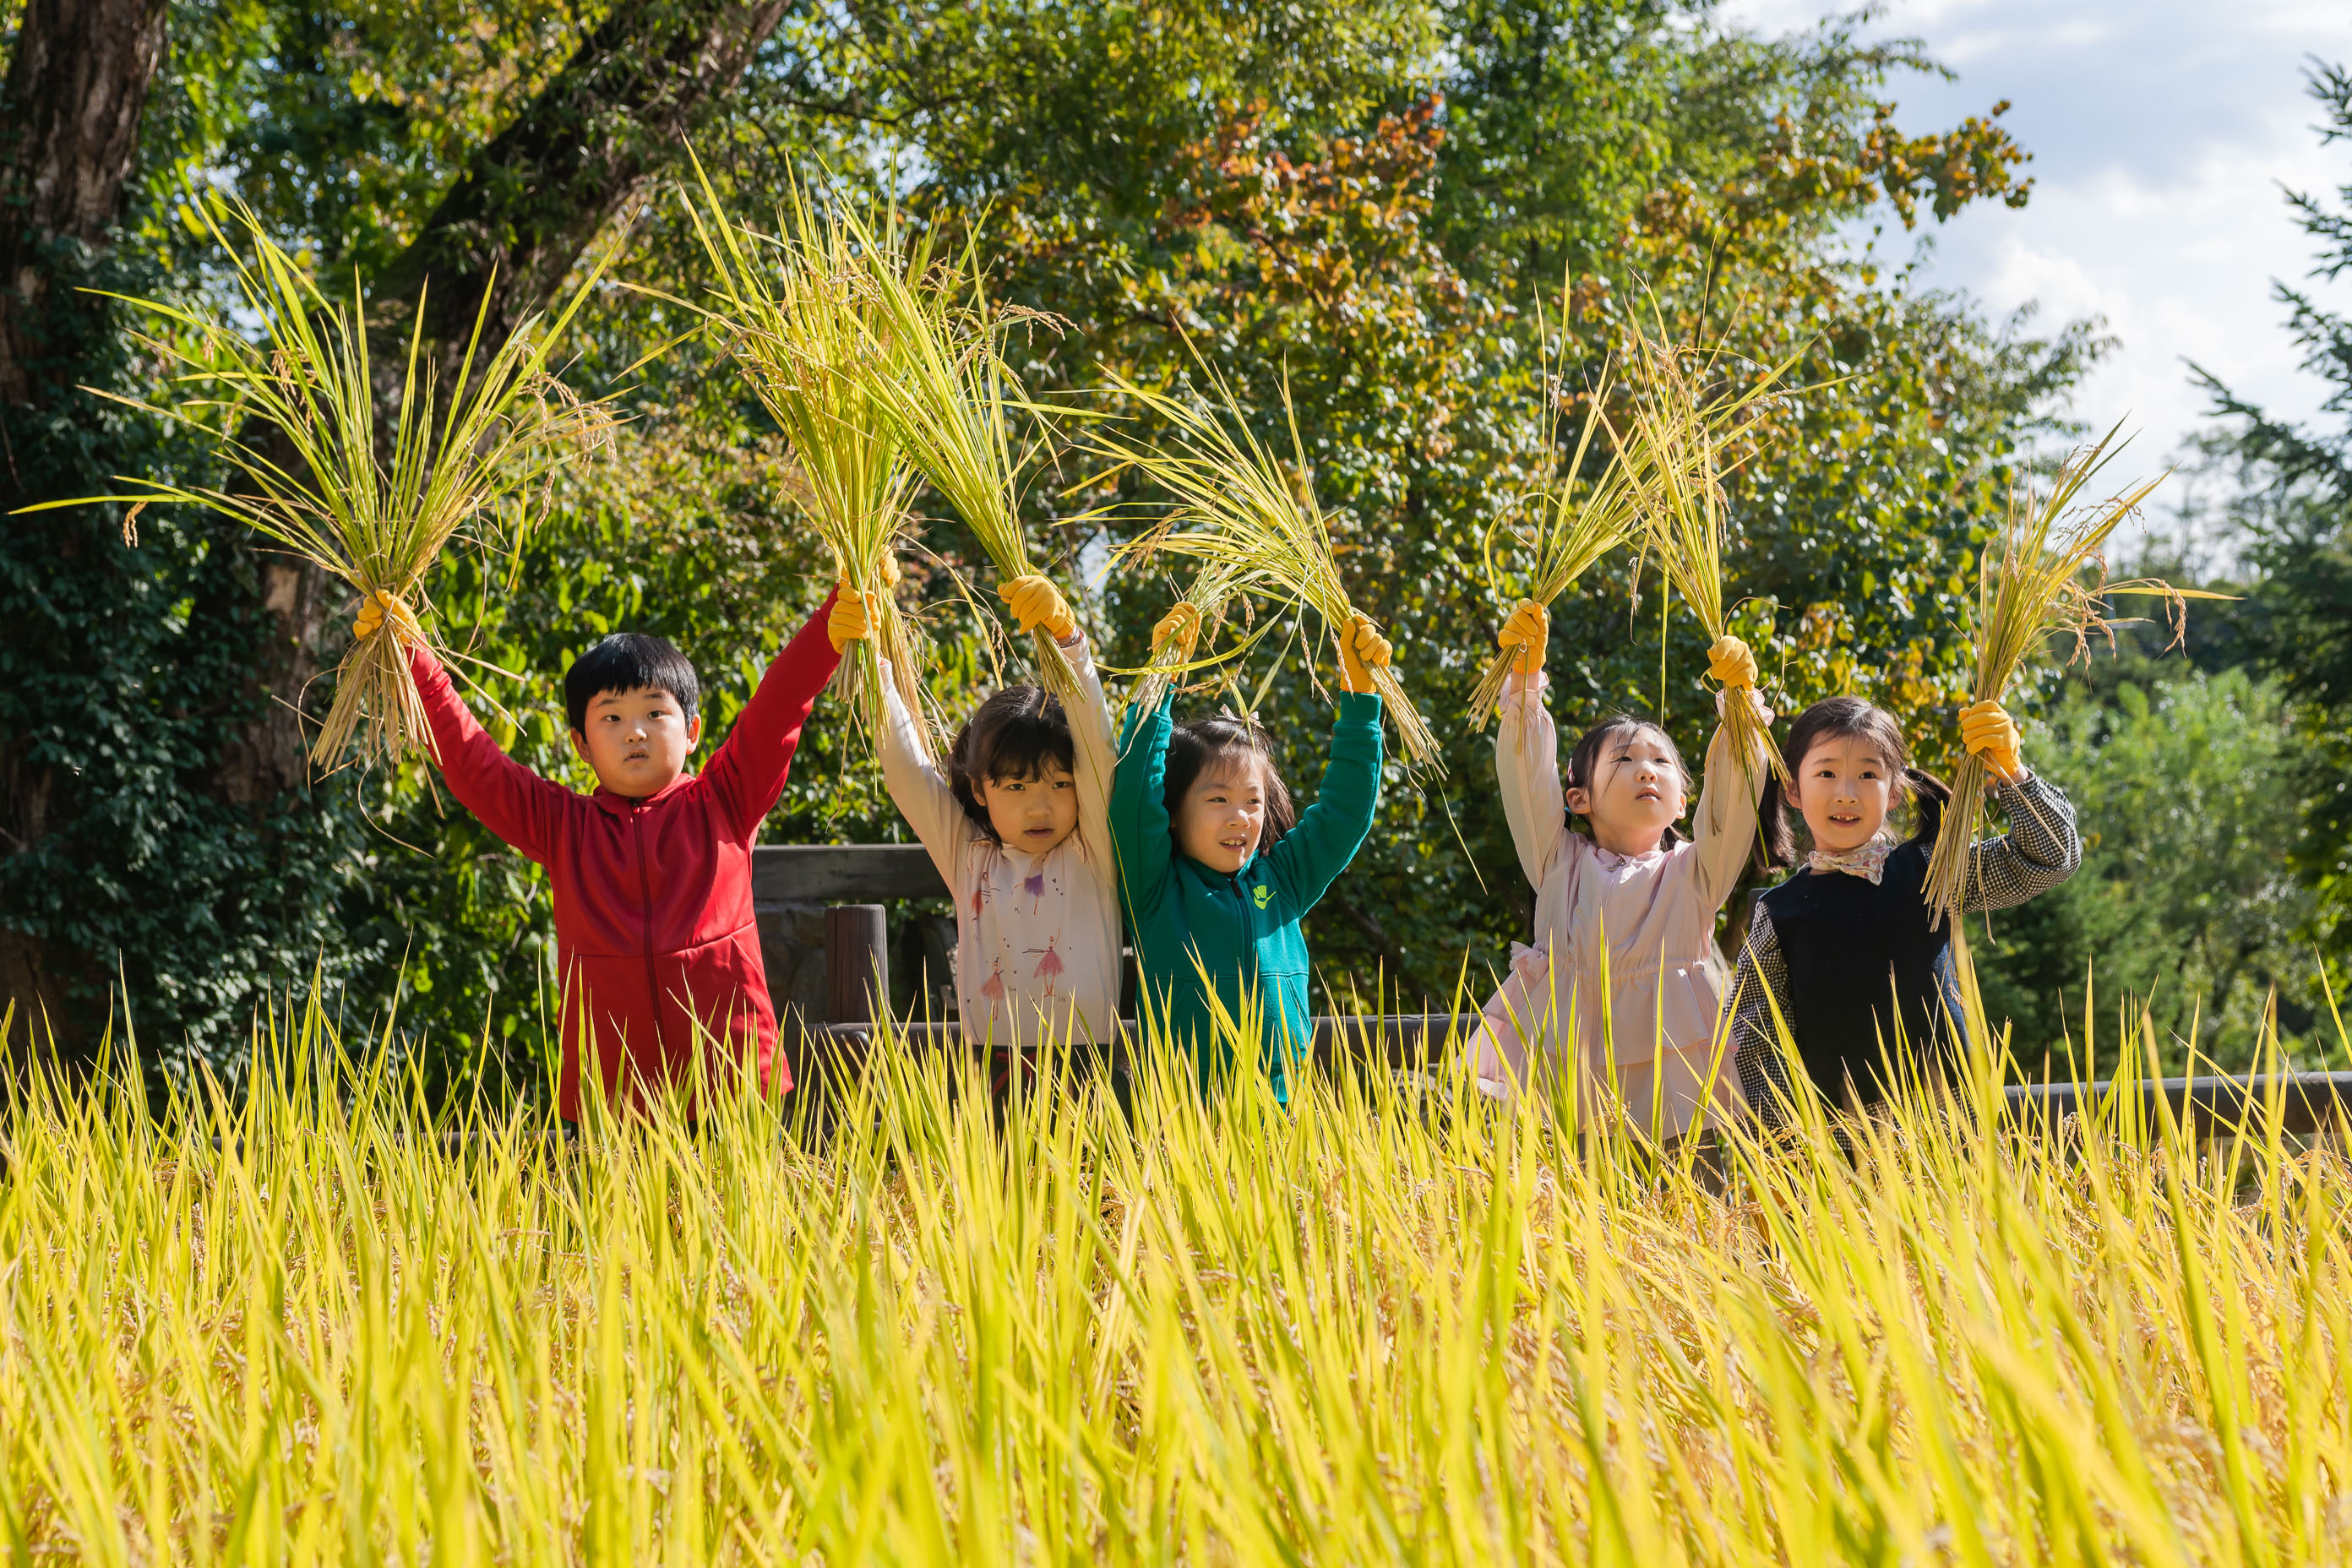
column 380, row 607
column 849, row 623
column 1362, row 650
column 1987, row 729
column 1037, row 603
column 1182, row 626
column 1730, row 664
column 1530, row 631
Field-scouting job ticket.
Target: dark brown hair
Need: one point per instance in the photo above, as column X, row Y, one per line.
column 1584, row 762
column 1014, row 735
column 1847, row 719
column 1193, row 747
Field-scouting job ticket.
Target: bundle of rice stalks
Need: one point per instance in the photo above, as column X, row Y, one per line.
column 940, row 377
column 1213, row 587
column 2029, row 589
column 1677, row 438
column 1576, row 530
column 1257, row 521
column 798, row 310
column 377, row 516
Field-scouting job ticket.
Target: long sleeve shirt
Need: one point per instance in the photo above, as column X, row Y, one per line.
column 1856, row 969
column 654, row 927
column 1630, row 940
column 1218, row 954
column 1037, row 937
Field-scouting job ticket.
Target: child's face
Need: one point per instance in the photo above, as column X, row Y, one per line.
column 637, row 742
column 1035, row 813
column 1222, row 816
column 1843, row 788
column 1638, row 792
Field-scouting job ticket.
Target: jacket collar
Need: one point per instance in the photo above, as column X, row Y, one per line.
column 621, row 804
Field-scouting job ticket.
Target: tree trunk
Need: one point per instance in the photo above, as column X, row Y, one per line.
column 534, row 196
column 76, row 90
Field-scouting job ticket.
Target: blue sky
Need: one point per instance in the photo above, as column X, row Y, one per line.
column 2162, row 132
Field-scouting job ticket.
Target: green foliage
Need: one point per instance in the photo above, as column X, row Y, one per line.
column 2184, row 784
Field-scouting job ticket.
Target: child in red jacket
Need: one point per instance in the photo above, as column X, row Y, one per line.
column 651, row 872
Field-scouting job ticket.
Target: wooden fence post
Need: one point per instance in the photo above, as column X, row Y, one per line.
column 856, row 964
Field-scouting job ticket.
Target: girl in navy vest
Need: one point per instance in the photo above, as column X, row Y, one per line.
column 1845, row 947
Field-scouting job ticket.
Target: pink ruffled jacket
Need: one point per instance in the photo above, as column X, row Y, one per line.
column 1625, row 963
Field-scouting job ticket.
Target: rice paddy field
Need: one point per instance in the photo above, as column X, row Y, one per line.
column 312, row 1323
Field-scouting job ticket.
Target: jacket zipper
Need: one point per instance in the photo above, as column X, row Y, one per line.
column 646, row 894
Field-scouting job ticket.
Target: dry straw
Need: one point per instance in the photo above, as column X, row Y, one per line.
column 1578, row 526
column 1256, row 520
column 2030, row 588
column 799, row 310
column 940, row 377
column 1681, row 428
column 377, row 516
column 1213, row 587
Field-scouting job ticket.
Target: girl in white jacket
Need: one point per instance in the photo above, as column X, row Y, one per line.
column 1017, row 822
column 1624, row 985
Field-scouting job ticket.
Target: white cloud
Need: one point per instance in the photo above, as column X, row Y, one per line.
column 2162, row 132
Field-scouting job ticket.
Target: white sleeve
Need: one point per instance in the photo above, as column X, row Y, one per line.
column 1527, row 766
column 1729, row 792
column 1092, row 748
column 918, row 788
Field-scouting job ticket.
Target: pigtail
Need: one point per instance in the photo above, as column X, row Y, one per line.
column 1775, row 845
column 1929, row 794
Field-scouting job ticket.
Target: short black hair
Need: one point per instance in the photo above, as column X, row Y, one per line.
column 1014, row 735
column 629, row 661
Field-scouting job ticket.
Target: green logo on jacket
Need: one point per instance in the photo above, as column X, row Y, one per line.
column 1263, row 894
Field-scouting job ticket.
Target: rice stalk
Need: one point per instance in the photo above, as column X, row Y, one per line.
column 1677, row 436
column 1256, row 519
column 2032, row 588
column 375, row 515
column 1214, row 585
column 798, row 310
column 939, row 378
column 1577, row 528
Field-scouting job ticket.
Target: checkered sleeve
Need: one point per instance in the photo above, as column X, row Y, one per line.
column 2040, row 850
column 1760, row 983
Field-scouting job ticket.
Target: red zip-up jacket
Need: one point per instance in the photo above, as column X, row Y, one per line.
column 654, row 926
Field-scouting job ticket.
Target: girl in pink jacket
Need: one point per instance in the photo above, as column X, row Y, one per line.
column 1624, row 986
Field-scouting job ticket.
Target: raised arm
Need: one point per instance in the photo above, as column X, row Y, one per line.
column 1138, row 807
column 1526, row 769
column 918, row 788
column 1312, row 855
column 2040, row 850
column 748, row 773
column 1095, row 752
column 1723, row 824
column 511, row 801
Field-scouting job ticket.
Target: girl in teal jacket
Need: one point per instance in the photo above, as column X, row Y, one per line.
column 1216, row 873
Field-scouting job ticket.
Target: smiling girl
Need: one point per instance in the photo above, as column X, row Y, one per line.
column 1015, row 823
column 1625, row 979
column 1844, row 948
column 1216, row 869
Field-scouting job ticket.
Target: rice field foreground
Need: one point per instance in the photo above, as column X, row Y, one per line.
column 306, row 1326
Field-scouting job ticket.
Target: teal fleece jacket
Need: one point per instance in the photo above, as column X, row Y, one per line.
column 1242, row 929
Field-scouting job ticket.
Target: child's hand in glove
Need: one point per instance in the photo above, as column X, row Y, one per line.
column 1987, row 729
column 849, row 622
column 1179, row 627
column 1730, row 663
column 1362, row 650
column 1529, row 630
column 382, row 606
column 1037, row 603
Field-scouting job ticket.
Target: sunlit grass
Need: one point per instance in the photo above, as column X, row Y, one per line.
column 1386, row 1325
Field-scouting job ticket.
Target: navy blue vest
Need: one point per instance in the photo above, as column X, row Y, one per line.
column 1860, row 959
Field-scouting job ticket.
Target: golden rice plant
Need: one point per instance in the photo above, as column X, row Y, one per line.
column 799, row 310
column 941, row 379
column 1577, row 527
column 1678, row 436
column 1256, row 518
column 2032, row 588
column 287, row 364
column 1214, row 584
column 314, row 1320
